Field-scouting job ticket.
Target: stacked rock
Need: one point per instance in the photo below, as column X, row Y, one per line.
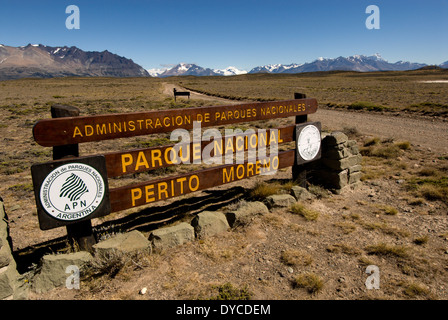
column 9, row 277
column 339, row 168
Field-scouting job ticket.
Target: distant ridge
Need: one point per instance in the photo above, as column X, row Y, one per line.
column 37, row 60
column 359, row 63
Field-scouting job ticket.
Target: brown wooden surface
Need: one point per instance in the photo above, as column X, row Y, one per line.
column 146, row 159
column 299, row 171
column 72, row 130
column 79, row 234
column 161, row 189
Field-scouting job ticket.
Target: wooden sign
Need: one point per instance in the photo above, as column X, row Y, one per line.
column 73, row 130
column 70, row 191
column 162, row 189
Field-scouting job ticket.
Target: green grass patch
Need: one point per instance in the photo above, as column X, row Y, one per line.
column 368, row 106
column 228, row 292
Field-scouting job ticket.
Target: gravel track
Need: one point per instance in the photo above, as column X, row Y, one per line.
column 424, row 132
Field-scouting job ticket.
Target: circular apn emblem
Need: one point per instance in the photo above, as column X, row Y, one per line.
column 72, row 191
column 309, row 142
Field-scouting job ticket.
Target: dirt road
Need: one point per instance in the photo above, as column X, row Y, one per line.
column 424, row 132
column 168, row 90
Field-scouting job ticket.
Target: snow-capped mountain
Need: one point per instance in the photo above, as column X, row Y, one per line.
column 37, row 60
column 444, row 65
column 359, row 63
column 274, row 68
column 190, row 69
column 156, row 72
column 229, row 71
column 187, row 69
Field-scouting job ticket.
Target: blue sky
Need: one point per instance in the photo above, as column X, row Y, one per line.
column 240, row 33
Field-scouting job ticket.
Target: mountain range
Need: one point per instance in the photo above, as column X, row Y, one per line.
column 41, row 61
column 191, row 69
column 360, row 63
column 36, row 60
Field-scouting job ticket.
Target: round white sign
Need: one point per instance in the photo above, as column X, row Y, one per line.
column 309, row 142
column 72, row 191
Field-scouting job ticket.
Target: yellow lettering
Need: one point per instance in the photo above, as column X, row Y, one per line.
column 162, row 188
column 238, row 175
column 239, row 147
column 156, row 155
column 77, row 132
column 87, row 132
column 141, row 161
column 131, row 125
column 228, row 177
column 229, row 145
column 184, row 156
column 273, row 137
column 170, row 159
column 181, row 180
column 101, row 129
column 217, row 146
column 126, row 160
column 196, row 151
column 193, row 177
column 250, row 169
column 117, row 127
column 149, row 193
column 136, row 194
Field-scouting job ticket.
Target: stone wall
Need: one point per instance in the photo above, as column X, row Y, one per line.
column 339, row 168
column 11, row 286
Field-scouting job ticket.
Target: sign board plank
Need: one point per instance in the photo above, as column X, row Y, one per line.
column 73, row 130
column 161, row 189
column 146, row 159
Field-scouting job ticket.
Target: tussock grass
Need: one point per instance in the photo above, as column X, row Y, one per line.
column 414, row 289
column 343, row 248
column 385, row 249
column 389, row 210
column 108, row 263
column 262, row 190
column 294, row 257
column 309, row 281
column 308, row 214
column 385, row 228
column 228, row 291
column 421, row 240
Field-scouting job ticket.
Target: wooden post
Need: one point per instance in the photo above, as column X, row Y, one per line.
column 299, row 171
column 79, row 234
